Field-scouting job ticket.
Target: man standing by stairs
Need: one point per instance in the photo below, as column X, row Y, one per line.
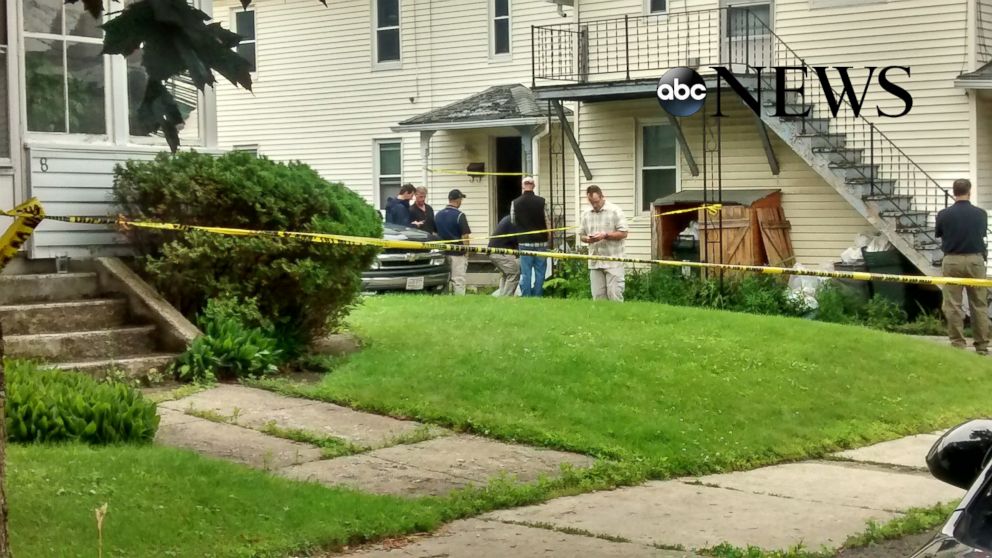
column 962, row 229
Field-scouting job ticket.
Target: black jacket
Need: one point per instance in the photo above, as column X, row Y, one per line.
column 427, row 216
column 398, row 212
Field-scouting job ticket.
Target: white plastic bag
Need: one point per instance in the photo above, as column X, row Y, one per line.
column 803, row 289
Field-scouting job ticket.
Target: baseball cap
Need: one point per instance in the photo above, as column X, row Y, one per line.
column 456, row 194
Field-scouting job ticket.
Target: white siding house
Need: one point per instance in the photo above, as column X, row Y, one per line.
column 377, row 93
column 65, row 121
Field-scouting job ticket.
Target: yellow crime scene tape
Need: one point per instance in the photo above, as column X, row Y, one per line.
column 32, row 211
column 712, row 209
column 28, row 216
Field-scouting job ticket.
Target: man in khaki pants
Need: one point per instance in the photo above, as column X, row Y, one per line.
column 604, row 229
column 962, row 230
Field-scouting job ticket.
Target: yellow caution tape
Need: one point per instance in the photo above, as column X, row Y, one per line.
column 712, row 209
column 35, row 213
column 28, row 216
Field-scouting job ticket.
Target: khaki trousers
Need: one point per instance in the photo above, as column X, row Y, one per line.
column 971, row 266
column 607, row 283
column 459, row 267
column 509, row 271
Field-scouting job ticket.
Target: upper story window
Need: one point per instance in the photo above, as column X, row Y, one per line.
column 65, row 73
column 658, row 162
column 656, row 6
column 387, row 30
column 501, row 27
column 244, row 25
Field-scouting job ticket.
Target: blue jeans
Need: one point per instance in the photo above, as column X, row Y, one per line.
column 536, row 267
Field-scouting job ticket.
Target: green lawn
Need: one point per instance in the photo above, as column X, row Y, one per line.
column 164, row 502
column 680, row 389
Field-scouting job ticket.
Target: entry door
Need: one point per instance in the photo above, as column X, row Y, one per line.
column 509, row 159
column 748, row 42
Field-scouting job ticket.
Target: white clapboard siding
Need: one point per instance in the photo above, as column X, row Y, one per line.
column 823, row 224
column 78, row 182
column 318, row 98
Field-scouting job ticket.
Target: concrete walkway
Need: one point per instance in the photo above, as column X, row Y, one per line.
column 816, row 503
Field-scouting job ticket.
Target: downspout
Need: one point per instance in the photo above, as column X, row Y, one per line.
column 535, row 153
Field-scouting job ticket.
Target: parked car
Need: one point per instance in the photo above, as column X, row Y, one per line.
column 961, row 457
column 401, row 269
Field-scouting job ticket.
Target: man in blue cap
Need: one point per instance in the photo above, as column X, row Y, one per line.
column 452, row 225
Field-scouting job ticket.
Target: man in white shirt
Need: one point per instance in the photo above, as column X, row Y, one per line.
column 604, row 229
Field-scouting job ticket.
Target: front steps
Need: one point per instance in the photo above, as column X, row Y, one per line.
column 68, row 320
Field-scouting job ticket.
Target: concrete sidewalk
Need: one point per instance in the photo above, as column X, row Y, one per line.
column 816, row 503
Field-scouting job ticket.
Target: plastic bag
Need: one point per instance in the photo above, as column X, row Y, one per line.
column 803, row 289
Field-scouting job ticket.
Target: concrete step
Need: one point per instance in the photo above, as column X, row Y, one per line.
column 840, row 154
column 849, row 171
column 868, row 187
column 83, row 345
column 50, row 287
column 909, row 220
column 62, row 317
column 133, row 367
column 823, row 140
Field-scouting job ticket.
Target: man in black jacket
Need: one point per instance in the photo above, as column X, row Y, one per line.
column 422, row 214
column 962, row 229
column 398, row 208
column 529, row 213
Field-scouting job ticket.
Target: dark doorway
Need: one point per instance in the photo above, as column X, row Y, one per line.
column 509, row 158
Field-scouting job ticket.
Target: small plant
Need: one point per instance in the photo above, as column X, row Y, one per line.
column 837, row 305
column 926, row 323
column 570, row 280
column 229, row 348
column 882, row 313
column 55, row 406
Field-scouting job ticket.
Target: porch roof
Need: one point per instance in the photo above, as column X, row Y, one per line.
column 979, row 79
column 730, row 197
column 498, row 106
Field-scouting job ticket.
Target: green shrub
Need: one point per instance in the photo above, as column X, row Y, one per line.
column 301, row 288
column 569, row 280
column 237, row 342
column 838, row 305
column 763, row 294
column 882, row 313
column 55, row 406
column 926, row 323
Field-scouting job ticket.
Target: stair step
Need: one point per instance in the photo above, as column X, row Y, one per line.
column 893, row 202
column 840, row 154
column 823, row 140
column 880, row 187
column 83, row 345
column 911, row 220
column 137, row 366
column 855, row 170
column 49, row 287
column 63, row 317
column 812, row 125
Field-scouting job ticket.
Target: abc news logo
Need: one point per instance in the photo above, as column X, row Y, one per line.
column 683, row 92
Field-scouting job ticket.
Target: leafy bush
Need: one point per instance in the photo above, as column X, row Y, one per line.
column 838, row 305
column 301, row 288
column 570, row 280
column 926, row 323
column 55, row 406
column 882, row 313
column 237, row 342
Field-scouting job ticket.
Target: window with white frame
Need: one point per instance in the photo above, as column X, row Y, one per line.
column 749, row 21
column 501, row 27
column 656, row 6
column 388, row 169
column 4, row 99
column 244, row 25
column 65, row 72
column 658, row 163
column 387, row 30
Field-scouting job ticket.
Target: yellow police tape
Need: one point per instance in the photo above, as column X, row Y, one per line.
column 34, row 212
column 29, row 216
column 712, row 209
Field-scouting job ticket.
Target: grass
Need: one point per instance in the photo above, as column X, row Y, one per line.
column 165, row 502
column 676, row 390
column 912, row 522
